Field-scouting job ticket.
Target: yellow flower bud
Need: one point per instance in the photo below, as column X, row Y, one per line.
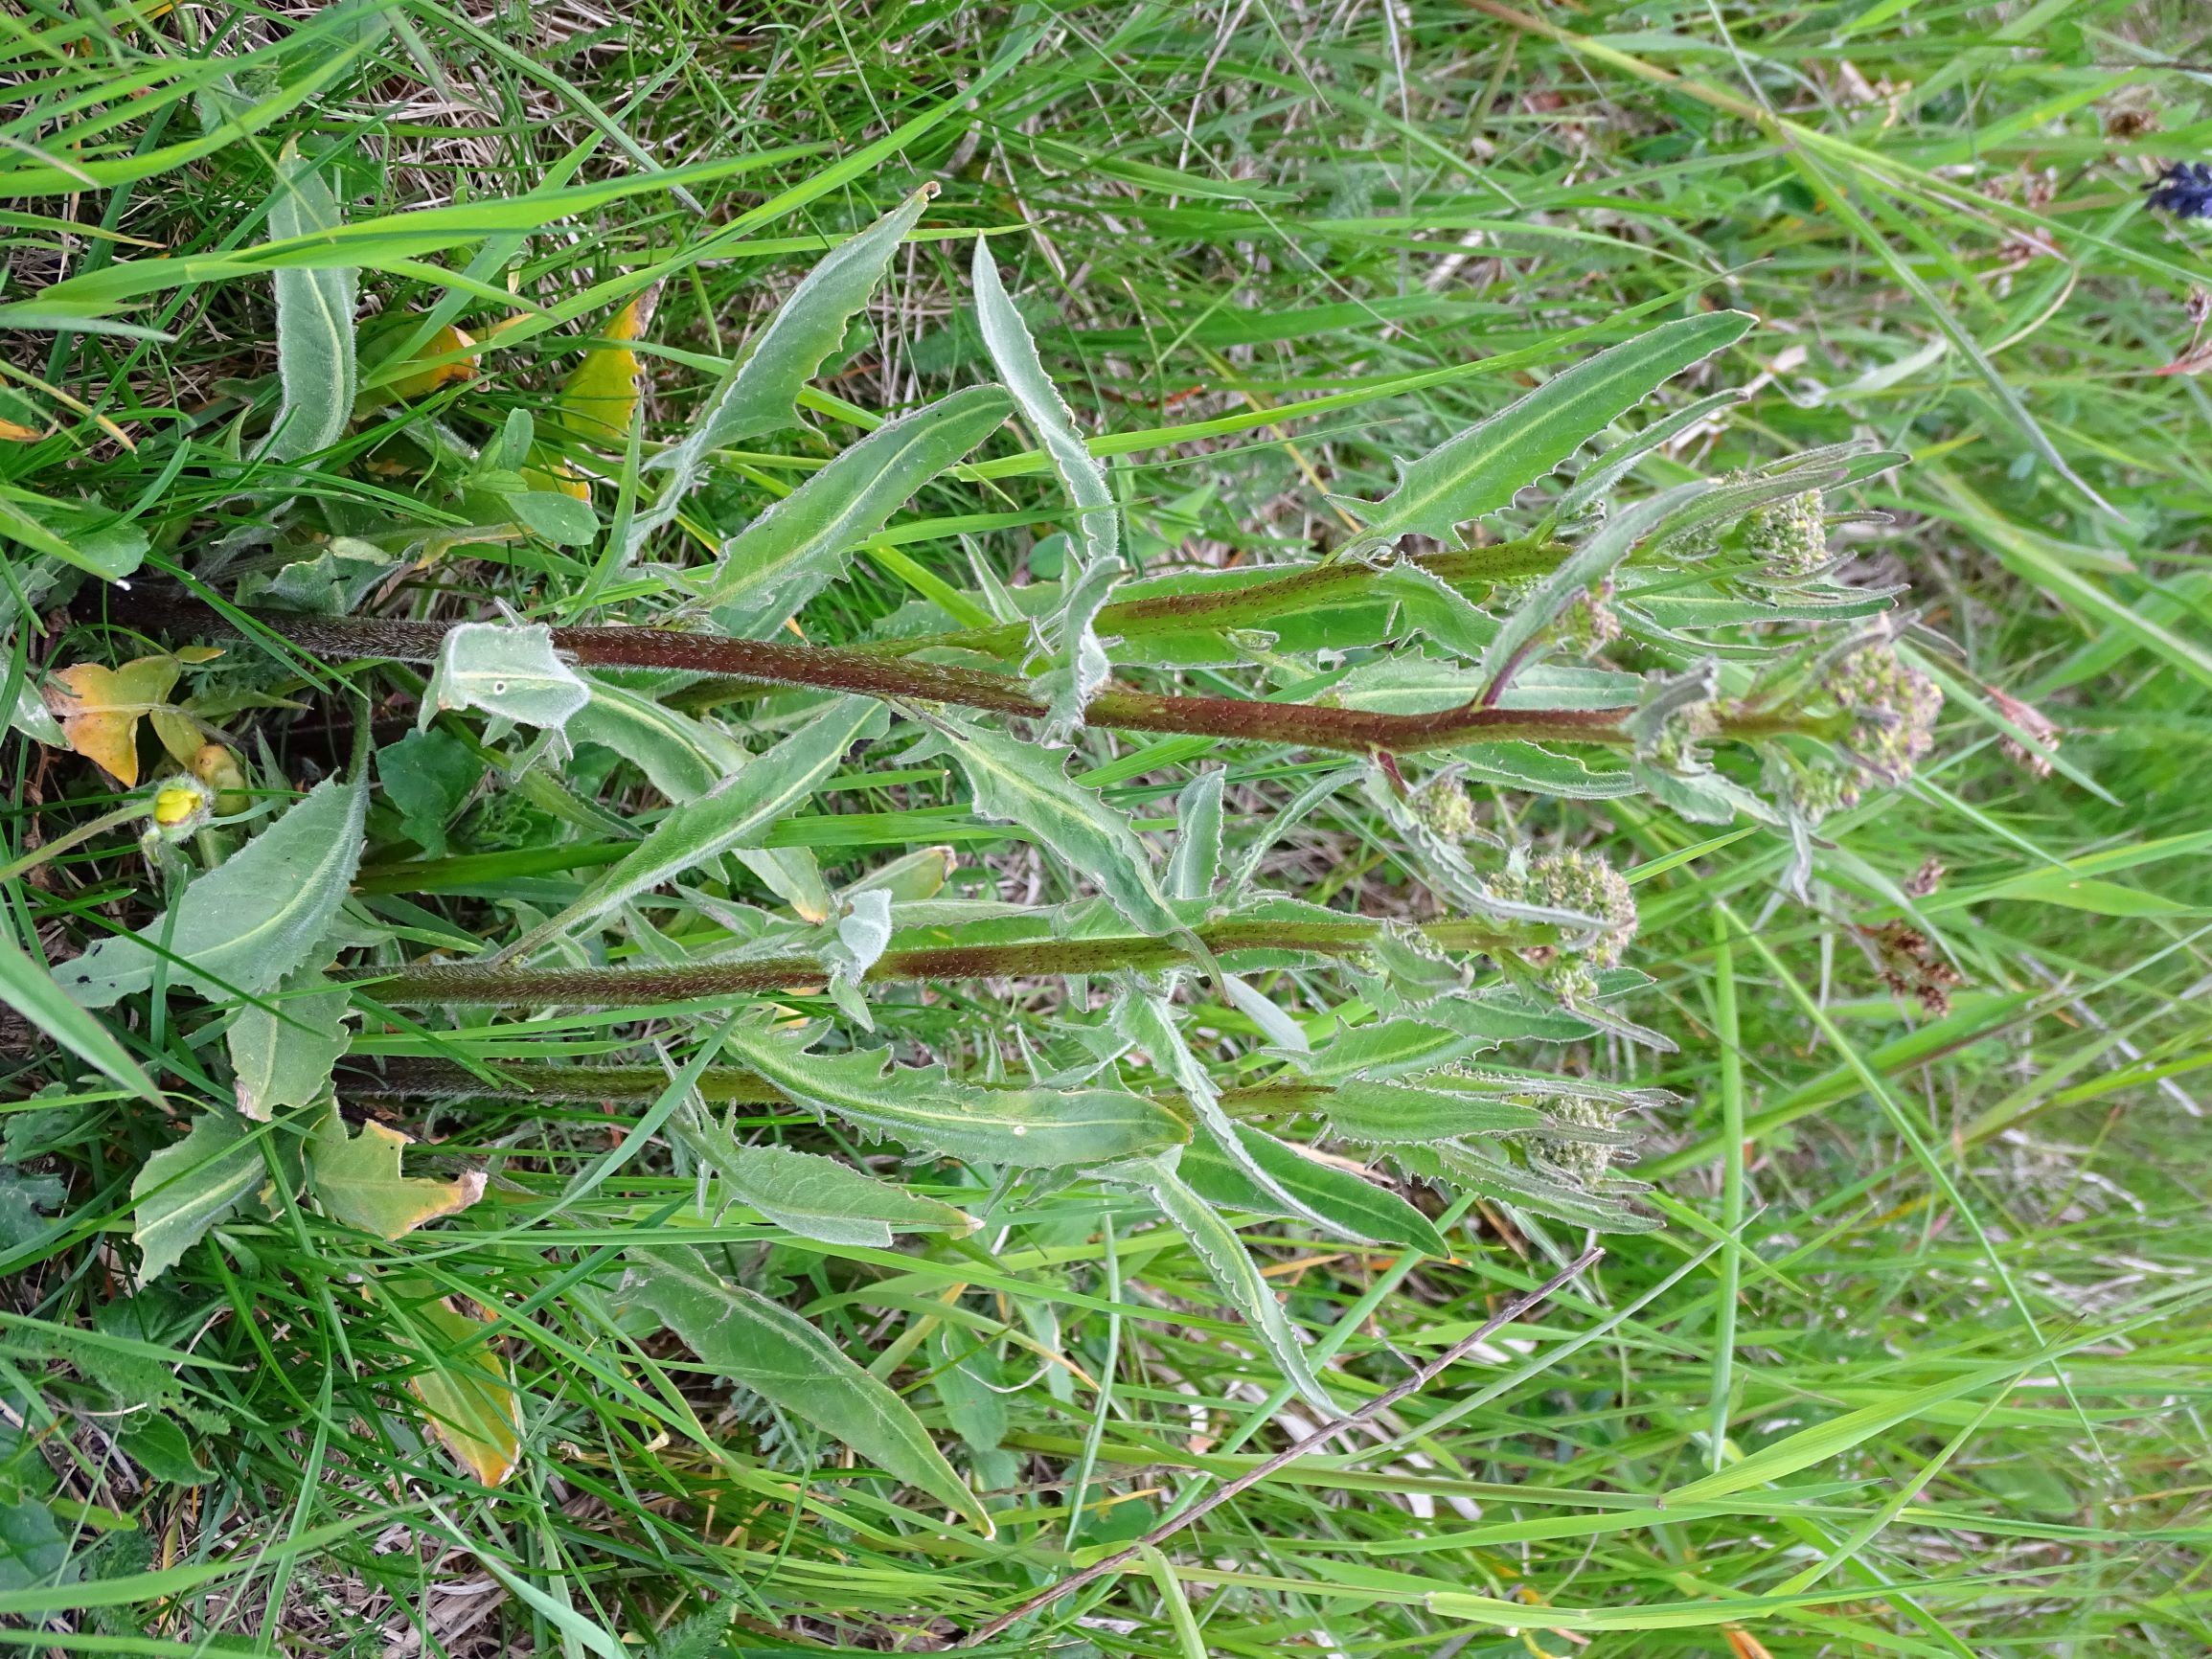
column 180, row 807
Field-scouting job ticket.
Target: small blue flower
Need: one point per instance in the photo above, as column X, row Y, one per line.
column 2183, row 189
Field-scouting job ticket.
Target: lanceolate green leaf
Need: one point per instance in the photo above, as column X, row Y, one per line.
column 247, row 922
column 735, row 814
column 1196, row 861
column 1017, row 783
column 1082, row 667
column 28, row 987
column 1840, row 1434
column 1014, row 353
column 392, row 241
column 780, row 1357
column 1378, row 1114
column 763, row 392
column 813, row 1196
column 799, row 546
column 1229, row 1266
column 1479, row 470
column 314, row 321
column 923, row 1108
column 1347, row 1203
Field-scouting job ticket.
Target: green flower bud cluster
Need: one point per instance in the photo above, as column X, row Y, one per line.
column 1788, row 537
column 1681, row 748
column 1588, row 624
column 1583, row 1160
column 1893, row 710
column 1443, row 807
column 1583, row 882
column 1815, row 791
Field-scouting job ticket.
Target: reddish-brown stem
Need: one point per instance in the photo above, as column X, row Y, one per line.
column 777, row 663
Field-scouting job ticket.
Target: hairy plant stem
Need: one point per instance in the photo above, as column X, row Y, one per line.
column 549, row 1082
column 755, row 662
column 495, row 985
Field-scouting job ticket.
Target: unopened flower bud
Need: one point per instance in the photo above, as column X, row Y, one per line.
column 1788, row 536
column 180, row 807
column 1893, row 710
column 1588, row 624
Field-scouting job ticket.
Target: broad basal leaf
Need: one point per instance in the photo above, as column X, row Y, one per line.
column 356, row 1180
column 99, row 709
column 247, row 922
column 1229, row 1266
column 801, row 544
column 33, row 1551
column 314, row 321
column 29, row 987
column 813, row 1196
column 1017, row 783
column 92, row 538
column 780, row 1357
column 283, row 1049
column 735, row 814
column 1479, row 470
column 923, row 1108
column 185, row 1188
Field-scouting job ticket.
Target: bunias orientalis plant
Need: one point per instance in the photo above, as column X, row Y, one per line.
column 1180, row 1029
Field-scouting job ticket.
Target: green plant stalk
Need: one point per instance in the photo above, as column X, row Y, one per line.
column 831, row 669
column 492, row 984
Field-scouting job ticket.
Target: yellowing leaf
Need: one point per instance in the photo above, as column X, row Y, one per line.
column 99, row 709
column 466, row 1389
column 16, row 434
column 356, row 1180
column 600, row 400
column 559, row 475
column 436, row 373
